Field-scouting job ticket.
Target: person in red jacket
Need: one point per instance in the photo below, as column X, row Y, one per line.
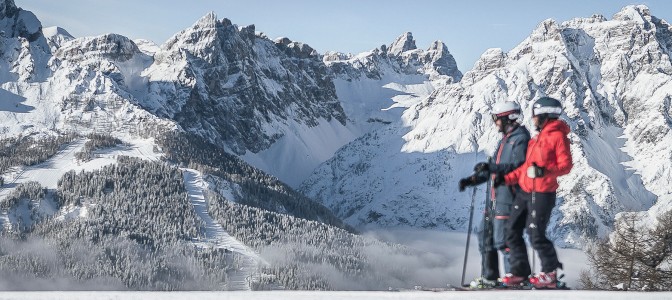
column 548, row 156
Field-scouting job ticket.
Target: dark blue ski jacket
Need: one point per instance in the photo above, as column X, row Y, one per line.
column 510, row 155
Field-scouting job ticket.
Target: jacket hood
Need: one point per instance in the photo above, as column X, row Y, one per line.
column 556, row 125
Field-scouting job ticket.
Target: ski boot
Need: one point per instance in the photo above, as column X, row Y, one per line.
column 483, row 283
column 513, row 281
column 545, row 280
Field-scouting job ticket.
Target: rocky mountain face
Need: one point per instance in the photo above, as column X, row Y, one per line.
column 613, row 78
column 237, row 88
column 24, row 47
column 248, row 94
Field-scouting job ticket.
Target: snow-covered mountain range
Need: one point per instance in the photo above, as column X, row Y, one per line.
column 379, row 138
column 613, row 77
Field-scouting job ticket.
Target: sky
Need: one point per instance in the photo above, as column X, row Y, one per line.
column 467, row 27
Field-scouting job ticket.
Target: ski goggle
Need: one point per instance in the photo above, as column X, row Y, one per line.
column 505, row 115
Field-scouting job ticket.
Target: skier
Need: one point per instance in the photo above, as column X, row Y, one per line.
column 510, row 154
column 548, row 156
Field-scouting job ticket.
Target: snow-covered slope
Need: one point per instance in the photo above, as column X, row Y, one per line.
column 374, row 85
column 216, row 237
column 613, row 77
column 367, row 181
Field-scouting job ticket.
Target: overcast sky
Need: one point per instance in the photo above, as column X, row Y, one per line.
column 467, row 27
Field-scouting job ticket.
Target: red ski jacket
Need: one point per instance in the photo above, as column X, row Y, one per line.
column 549, row 150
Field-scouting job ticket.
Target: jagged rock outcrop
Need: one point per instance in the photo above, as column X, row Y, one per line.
column 24, row 51
column 401, row 57
column 238, row 89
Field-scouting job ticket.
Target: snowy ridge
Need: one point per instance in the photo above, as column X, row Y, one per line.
column 372, row 85
column 216, row 236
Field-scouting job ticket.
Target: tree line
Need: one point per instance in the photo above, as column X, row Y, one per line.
column 129, row 226
column 259, row 189
column 636, row 256
column 30, row 150
column 95, row 142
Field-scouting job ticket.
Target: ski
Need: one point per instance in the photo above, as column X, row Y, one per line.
column 525, row 285
column 560, row 285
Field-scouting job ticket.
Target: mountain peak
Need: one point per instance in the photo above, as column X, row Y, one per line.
column 442, row 61
column 491, row 59
column 201, row 38
column 402, row 44
column 637, row 13
column 548, row 29
column 438, row 45
column 52, row 31
column 56, row 36
column 207, row 21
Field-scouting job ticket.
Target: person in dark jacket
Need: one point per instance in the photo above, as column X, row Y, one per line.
column 509, row 155
column 548, row 156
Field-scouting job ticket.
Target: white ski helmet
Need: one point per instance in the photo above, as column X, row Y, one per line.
column 506, row 108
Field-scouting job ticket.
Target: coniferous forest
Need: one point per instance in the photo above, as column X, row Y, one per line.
column 131, row 225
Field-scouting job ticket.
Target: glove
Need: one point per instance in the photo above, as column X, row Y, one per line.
column 465, row 182
column 482, row 167
column 499, row 180
column 535, row 171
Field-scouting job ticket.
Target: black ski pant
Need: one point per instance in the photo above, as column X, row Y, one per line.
column 492, row 237
column 531, row 212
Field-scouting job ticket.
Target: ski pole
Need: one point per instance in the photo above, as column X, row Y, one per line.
column 466, row 249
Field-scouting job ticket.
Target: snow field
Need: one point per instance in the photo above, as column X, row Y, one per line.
column 309, row 295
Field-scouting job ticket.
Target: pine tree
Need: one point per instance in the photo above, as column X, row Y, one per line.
column 635, row 257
